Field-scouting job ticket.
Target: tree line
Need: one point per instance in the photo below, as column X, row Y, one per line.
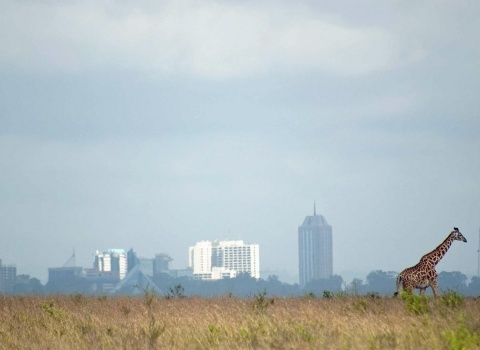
column 378, row 282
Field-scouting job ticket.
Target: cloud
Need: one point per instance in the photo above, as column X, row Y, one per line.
column 205, row 39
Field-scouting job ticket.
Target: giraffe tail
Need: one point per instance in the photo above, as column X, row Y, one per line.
column 399, row 282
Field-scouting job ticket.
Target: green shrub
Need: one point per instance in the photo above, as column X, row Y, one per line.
column 452, row 299
column 51, row 310
column 261, row 302
column 461, row 338
column 177, row 291
column 327, row 294
column 415, row 303
column 310, row 295
column 373, row 295
column 360, row 305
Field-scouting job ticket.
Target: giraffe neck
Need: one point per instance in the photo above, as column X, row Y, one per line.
column 437, row 254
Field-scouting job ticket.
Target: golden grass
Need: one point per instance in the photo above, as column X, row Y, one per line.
column 79, row 322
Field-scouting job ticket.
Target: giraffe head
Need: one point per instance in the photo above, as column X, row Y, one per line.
column 457, row 235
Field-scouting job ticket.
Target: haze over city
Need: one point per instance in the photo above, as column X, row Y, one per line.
column 157, row 124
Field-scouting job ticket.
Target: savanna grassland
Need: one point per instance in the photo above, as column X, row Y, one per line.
column 150, row 322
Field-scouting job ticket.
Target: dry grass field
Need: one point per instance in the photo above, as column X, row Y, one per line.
column 335, row 322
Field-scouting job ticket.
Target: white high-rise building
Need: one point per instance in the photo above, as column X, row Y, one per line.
column 224, row 259
column 200, row 257
column 113, row 260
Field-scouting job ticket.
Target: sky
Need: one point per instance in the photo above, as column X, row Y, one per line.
column 156, row 124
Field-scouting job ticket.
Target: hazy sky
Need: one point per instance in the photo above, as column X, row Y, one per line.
column 157, row 124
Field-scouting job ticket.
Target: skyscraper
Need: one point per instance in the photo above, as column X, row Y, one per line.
column 314, row 249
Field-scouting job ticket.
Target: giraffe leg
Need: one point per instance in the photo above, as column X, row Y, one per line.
column 434, row 286
column 399, row 285
column 409, row 289
column 422, row 291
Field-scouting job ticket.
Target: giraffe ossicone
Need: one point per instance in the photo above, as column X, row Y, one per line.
column 424, row 275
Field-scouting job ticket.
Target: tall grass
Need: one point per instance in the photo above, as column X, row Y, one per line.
column 149, row 322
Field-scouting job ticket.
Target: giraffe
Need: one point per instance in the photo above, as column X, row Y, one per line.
column 423, row 275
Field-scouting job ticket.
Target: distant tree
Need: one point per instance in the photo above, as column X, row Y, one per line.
column 36, row 286
column 355, row 287
column 242, row 286
column 381, row 282
column 454, row 280
column 274, row 286
column 273, row 279
column 473, row 288
column 318, row 286
column 31, row 286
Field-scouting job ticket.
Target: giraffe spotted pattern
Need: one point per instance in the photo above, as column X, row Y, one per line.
column 423, row 275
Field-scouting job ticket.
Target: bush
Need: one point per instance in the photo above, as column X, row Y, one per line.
column 452, row 299
column 415, row 303
column 327, row 294
column 462, row 338
column 261, row 302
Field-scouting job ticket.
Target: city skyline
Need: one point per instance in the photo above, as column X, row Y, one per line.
column 327, row 269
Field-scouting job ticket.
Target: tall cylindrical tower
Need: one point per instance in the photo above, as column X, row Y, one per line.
column 315, row 249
